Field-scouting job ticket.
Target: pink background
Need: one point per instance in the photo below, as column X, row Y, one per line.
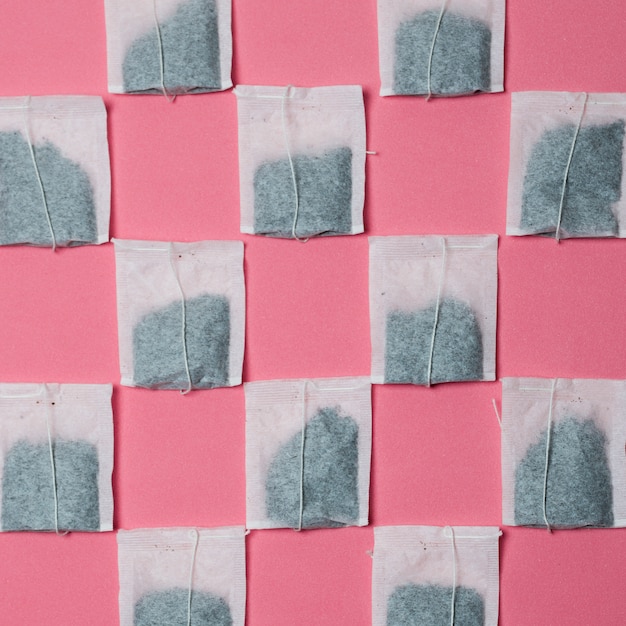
column 441, row 168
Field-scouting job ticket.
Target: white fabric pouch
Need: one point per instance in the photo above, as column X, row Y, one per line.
column 56, row 457
column 169, row 46
column 567, row 169
column 438, row 576
column 441, row 48
column 308, row 449
column 301, row 160
column 55, row 180
column 181, row 313
column 433, row 308
column 171, row 576
column 563, row 463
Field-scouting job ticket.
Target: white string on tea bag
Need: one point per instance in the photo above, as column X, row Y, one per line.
column 548, row 437
column 196, row 535
column 303, row 427
column 436, row 320
column 432, row 47
column 449, row 531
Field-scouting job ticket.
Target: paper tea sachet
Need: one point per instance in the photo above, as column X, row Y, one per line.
column 301, row 160
column 56, row 457
column 180, row 576
column 435, row 576
column 181, row 313
column 308, row 449
column 171, row 47
column 563, row 463
column 441, row 47
column 55, row 180
column 566, row 173
column 433, row 308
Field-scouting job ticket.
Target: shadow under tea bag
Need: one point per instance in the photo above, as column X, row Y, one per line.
column 171, row 47
column 566, row 173
column 433, row 308
column 308, row 448
column 56, row 457
column 178, row 576
column 181, row 313
column 301, row 160
column 441, row 47
column 55, row 181
column 563, row 463
column 435, row 576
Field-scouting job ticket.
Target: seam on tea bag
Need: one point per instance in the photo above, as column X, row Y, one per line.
column 548, row 437
column 283, row 114
column 196, row 536
column 303, row 425
column 568, row 165
column 157, row 28
column 436, row 321
column 37, row 173
column 183, row 307
column 432, row 47
column 449, row 531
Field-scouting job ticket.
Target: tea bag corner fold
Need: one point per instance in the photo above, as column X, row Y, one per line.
column 566, row 173
column 54, row 167
column 443, row 48
column 169, row 47
column 181, row 310
column 56, row 457
column 301, row 160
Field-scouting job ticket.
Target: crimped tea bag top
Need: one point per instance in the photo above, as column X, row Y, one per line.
column 55, row 182
column 435, row 576
column 56, row 457
column 563, row 460
column 441, row 47
column 301, row 160
column 566, row 176
column 308, row 448
column 181, row 311
column 169, row 46
column 171, row 576
column 433, row 308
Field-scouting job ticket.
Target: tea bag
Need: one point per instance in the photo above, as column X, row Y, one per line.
column 566, row 173
column 441, row 47
column 435, row 576
column 181, row 313
column 55, row 181
column 169, row 46
column 56, row 457
column 433, row 308
column 563, row 462
column 301, row 160
column 308, row 448
column 178, row 576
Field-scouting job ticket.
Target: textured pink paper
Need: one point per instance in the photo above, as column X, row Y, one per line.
column 441, row 168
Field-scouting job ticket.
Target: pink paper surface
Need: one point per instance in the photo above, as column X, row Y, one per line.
column 441, row 168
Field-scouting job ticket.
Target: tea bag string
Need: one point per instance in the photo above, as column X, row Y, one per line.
column 548, row 438
column 283, row 113
column 26, row 109
column 183, row 308
column 196, row 535
column 157, row 28
column 437, row 306
column 53, row 469
column 432, row 47
column 449, row 531
column 302, row 430
column 568, row 166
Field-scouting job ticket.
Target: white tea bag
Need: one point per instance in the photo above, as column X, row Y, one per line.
column 56, row 457
column 301, row 160
column 563, row 463
column 433, row 308
column 308, row 449
column 171, row 47
column 435, row 576
column 171, row 576
column 181, row 313
column 55, row 180
column 441, row 47
column 566, row 172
